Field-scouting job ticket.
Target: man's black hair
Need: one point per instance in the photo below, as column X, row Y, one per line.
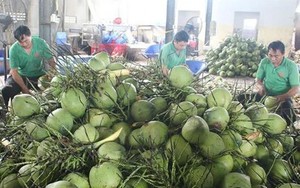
column 181, row 36
column 277, row 45
column 21, row 31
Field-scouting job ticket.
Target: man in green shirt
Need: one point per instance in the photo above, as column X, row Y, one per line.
column 174, row 52
column 278, row 76
column 27, row 59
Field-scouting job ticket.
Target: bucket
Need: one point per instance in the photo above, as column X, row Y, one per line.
column 196, row 66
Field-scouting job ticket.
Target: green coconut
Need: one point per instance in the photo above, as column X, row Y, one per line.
column 56, row 84
column 180, row 76
column 104, row 132
column 219, row 97
column 10, row 181
column 262, row 153
column 126, row 93
column 97, row 118
column 235, row 107
column 271, row 103
column 86, row 134
column 195, row 130
column 281, row 171
column 256, row 173
column 287, row 141
column 258, row 113
column 78, row 179
column 219, row 167
column 232, row 139
column 105, row 175
column 199, row 101
column 181, row 112
column 275, row 124
column 247, row 148
column 275, row 147
column 154, row 133
column 61, row 184
column 217, row 118
column 25, row 105
column 132, row 81
column 6, row 168
column 115, row 66
column 112, row 150
column 60, row 120
column 103, row 57
column 44, row 148
column 74, row 101
column 180, row 149
column 188, row 90
column 199, row 176
column 239, row 163
column 24, row 176
column 142, row 110
column 35, row 128
column 235, row 179
column 135, row 138
column 96, row 65
column 126, row 130
column 42, row 175
column 157, row 159
column 104, row 97
column 243, row 124
column 160, row 104
column 212, row 146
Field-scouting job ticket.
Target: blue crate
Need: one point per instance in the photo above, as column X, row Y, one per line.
column 152, row 51
column 196, row 66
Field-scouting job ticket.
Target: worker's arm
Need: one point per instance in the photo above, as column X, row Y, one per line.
column 18, row 79
column 165, row 70
column 291, row 93
column 260, row 87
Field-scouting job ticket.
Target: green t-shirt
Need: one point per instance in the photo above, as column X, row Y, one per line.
column 30, row 65
column 169, row 57
column 278, row 80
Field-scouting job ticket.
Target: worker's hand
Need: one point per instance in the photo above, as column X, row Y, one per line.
column 261, row 90
column 280, row 98
column 26, row 91
column 165, row 71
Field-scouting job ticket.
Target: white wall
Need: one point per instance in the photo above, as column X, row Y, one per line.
column 273, row 12
column 131, row 11
column 276, row 20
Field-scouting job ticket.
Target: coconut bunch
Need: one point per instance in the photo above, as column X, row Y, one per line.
column 295, row 56
column 103, row 124
column 235, row 56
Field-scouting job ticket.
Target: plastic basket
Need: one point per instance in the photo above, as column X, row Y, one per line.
column 112, row 49
column 196, row 66
column 152, row 51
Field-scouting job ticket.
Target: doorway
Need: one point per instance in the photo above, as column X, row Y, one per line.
column 246, row 24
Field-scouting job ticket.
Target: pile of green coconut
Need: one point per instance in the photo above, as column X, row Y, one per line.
column 235, row 56
column 104, row 124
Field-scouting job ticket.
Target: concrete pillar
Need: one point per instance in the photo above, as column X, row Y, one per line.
column 33, row 17
column 170, row 20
